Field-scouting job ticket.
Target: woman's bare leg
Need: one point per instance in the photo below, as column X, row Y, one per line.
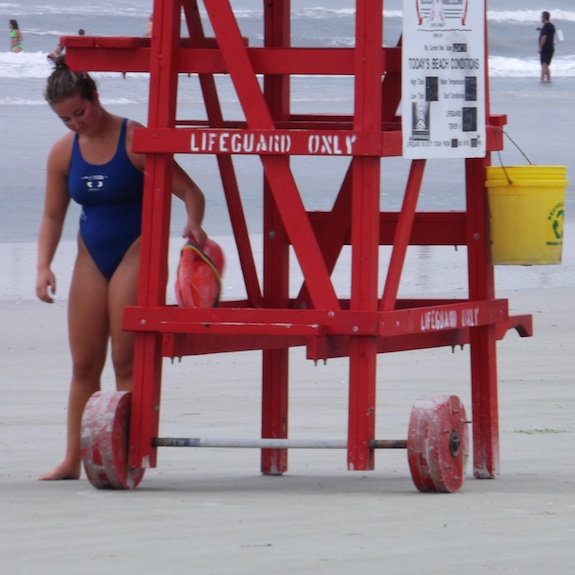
column 122, row 292
column 88, row 333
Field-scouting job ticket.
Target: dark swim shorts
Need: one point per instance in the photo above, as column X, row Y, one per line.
column 546, row 56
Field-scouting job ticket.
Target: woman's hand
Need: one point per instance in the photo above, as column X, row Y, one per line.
column 46, row 285
column 195, row 233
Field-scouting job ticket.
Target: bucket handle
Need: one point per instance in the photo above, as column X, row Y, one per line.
column 517, row 146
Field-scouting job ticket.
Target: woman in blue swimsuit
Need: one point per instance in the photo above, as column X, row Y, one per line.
column 93, row 164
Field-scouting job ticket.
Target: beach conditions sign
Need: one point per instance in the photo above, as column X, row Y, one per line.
column 443, row 79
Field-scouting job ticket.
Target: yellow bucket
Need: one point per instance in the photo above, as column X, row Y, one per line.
column 526, row 213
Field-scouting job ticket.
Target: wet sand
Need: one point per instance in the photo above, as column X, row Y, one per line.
column 210, row 511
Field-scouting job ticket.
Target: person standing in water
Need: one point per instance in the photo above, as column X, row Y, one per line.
column 16, row 39
column 59, row 49
column 149, row 26
column 546, row 46
column 94, row 165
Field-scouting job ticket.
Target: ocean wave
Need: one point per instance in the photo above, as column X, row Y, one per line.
column 317, row 13
column 528, row 16
column 22, row 10
column 24, row 65
column 501, row 67
column 519, row 16
column 116, row 9
column 22, row 102
column 37, row 66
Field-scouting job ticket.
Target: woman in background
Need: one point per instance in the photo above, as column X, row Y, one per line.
column 59, row 49
column 149, row 26
column 16, row 39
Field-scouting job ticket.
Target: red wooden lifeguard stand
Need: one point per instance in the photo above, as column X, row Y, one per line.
column 369, row 322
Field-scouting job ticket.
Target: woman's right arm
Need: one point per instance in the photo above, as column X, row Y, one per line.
column 56, row 203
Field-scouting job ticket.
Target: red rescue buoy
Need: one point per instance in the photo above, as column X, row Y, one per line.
column 198, row 281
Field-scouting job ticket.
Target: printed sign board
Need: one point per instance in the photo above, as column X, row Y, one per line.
column 443, row 79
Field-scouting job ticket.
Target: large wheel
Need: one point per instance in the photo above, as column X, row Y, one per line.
column 105, row 432
column 438, row 444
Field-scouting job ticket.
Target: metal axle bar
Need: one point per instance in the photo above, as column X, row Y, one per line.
column 273, row 443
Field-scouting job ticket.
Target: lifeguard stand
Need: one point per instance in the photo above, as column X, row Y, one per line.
column 361, row 327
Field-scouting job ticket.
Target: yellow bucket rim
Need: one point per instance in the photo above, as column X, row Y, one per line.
column 527, row 176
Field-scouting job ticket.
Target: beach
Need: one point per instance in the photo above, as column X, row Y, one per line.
column 210, row 511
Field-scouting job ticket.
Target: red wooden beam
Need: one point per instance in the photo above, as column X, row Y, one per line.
column 328, row 346
column 265, row 142
column 277, row 172
column 152, row 281
column 225, row 164
column 429, row 318
column 402, row 234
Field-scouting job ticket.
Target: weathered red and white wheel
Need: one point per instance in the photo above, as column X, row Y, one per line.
column 105, row 432
column 438, row 444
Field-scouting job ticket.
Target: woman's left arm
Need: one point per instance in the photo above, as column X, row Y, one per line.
column 182, row 186
column 187, row 190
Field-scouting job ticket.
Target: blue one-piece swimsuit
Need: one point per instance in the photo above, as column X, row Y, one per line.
column 111, row 199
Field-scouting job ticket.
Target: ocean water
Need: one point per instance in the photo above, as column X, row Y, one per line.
column 511, row 27
column 538, row 122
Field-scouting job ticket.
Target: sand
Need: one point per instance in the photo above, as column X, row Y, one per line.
column 210, row 511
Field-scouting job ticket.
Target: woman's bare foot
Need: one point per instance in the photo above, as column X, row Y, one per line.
column 63, row 471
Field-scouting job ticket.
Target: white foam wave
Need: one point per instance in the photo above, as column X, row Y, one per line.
column 24, row 65
column 22, row 102
column 528, row 16
column 73, row 9
column 519, row 16
column 36, row 65
column 500, row 67
column 317, row 13
column 117, row 101
column 111, row 8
